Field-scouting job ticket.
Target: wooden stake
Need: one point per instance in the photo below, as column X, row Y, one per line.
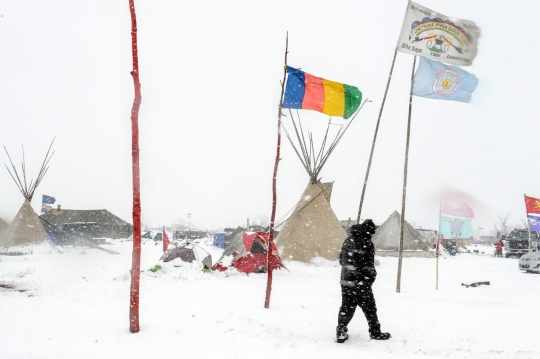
column 274, row 194
column 403, row 200
column 375, row 139
column 136, row 255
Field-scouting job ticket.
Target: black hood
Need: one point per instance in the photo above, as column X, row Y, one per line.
column 366, row 227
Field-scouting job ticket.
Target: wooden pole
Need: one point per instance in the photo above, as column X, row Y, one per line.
column 404, row 198
column 136, row 255
column 274, row 194
column 375, row 139
column 438, row 248
column 528, row 223
column 437, row 264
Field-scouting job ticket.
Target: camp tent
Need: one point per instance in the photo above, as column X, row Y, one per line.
column 386, row 239
column 247, row 252
column 313, row 230
column 3, row 225
column 186, row 253
column 26, row 228
column 95, row 223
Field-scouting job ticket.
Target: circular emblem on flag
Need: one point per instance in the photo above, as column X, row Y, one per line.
column 446, row 82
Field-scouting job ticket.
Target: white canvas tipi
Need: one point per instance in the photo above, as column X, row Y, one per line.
column 313, row 230
column 386, row 238
column 3, row 225
column 26, row 228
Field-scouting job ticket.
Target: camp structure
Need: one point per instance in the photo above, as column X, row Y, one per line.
column 386, row 239
column 248, row 252
column 3, row 225
column 89, row 224
column 187, row 253
column 313, row 229
column 26, row 229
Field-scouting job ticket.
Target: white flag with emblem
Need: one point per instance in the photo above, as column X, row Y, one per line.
column 439, row 37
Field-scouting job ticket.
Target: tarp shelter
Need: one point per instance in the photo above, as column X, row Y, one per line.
column 386, row 239
column 186, row 253
column 313, row 230
column 147, row 235
column 96, row 223
column 158, row 237
column 219, row 240
column 248, row 251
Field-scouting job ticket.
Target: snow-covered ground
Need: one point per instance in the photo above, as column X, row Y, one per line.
column 76, row 305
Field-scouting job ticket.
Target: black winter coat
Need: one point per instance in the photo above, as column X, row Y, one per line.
column 357, row 258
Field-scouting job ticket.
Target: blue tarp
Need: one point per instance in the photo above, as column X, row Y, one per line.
column 219, row 240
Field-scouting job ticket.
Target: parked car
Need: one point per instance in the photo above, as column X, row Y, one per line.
column 530, row 262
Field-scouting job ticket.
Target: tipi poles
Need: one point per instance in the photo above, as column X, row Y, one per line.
column 403, row 200
column 274, row 194
column 136, row 255
column 375, row 139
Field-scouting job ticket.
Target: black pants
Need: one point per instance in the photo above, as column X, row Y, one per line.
column 361, row 296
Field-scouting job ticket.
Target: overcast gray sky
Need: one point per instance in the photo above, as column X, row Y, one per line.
column 210, row 74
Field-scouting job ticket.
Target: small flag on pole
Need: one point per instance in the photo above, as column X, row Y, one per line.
column 45, row 203
column 438, row 81
column 308, row 92
column 533, row 213
column 165, row 240
column 431, row 34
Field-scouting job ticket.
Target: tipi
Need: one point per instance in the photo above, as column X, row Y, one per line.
column 313, row 229
column 386, row 239
column 26, row 228
column 3, row 225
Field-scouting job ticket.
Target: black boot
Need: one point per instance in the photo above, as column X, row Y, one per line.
column 341, row 334
column 380, row 336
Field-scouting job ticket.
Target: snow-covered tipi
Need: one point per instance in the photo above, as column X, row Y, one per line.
column 313, row 229
column 26, row 228
column 386, row 239
column 3, row 225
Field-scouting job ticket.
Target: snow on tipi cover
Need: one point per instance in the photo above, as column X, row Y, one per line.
column 387, row 235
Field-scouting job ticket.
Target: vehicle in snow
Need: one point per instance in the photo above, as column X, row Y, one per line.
column 530, row 262
column 516, row 243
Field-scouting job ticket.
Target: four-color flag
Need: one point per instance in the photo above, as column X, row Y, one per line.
column 308, row 92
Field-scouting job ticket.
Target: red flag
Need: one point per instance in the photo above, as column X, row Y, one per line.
column 165, row 240
column 532, row 204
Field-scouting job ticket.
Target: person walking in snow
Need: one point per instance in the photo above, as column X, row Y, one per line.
column 357, row 260
column 499, row 248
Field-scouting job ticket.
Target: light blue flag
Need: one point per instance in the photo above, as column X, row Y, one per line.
column 436, row 80
column 455, row 227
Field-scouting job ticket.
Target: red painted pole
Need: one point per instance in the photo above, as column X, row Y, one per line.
column 274, row 194
column 136, row 255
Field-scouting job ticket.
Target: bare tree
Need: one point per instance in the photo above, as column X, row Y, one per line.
column 503, row 216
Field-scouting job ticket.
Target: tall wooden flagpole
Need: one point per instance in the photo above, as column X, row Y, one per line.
column 375, row 138
column 438, row 249
column 136, row 255
column 274, row 194
column 528, row 223
column 403, row 200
